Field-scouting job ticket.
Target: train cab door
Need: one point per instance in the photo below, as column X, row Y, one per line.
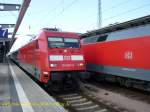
column 36, row 58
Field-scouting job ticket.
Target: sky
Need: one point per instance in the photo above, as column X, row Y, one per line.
column 74, row 15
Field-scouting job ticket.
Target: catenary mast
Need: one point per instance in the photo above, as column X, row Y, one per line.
column 99, row 14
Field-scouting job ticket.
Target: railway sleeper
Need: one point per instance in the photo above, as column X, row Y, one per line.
column 82, row 104
column 69, row 95
column 102, row 110
column 72, row 98
column 77, row 101
column 88, row 108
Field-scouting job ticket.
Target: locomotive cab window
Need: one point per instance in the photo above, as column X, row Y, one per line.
column 55, row 42
column 71, row 43
column 63, row 42
column 55, row 39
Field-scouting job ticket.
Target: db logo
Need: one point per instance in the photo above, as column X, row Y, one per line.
column 67, row 57
column 128, row 55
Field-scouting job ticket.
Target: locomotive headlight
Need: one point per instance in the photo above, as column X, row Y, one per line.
column 81, row 64
column 53, row 65
column 65, row 50
column 46, row 73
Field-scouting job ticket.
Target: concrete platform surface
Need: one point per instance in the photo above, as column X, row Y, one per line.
column 19, row 93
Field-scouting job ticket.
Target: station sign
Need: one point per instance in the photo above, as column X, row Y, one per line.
column 3, row 33
column 9, row 7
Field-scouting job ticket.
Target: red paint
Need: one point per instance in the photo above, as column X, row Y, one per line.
column 118, row 53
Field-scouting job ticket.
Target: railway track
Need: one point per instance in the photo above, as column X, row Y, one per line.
column 131, row 93
column 81, row 100
column 86, row 102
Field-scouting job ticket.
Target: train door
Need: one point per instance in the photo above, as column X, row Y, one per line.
column 36, row 56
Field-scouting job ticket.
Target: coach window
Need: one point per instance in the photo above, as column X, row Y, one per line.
column 102, row 38
column 37, row 45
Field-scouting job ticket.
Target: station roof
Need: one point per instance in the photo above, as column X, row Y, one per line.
column 119, row 26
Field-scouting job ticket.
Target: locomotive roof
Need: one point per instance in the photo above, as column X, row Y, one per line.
column 26, row 39
column 132, row 23
column 62, row 33
column 20, row 42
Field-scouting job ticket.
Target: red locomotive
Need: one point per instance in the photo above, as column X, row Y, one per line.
column 121, row 52
column 52, row 56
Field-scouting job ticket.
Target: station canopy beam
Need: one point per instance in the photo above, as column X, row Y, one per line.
column 22, row 12
column 9, row 7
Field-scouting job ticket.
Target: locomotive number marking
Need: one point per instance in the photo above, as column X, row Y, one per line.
column 128, row 55
column 67, row 58
column 68, row 65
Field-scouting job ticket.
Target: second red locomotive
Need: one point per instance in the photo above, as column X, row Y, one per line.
column 121, row 52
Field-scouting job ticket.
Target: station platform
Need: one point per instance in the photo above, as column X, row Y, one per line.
column 19, row 93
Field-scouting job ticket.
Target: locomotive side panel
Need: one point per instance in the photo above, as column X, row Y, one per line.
column 27, row 58
column 121, row 55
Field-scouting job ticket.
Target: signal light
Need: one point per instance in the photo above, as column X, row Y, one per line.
column 53, row 65
column 46, row 73
column 81, row 64
column 65, row 50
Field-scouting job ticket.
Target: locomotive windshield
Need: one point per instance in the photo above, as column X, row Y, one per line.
column 60, row 42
